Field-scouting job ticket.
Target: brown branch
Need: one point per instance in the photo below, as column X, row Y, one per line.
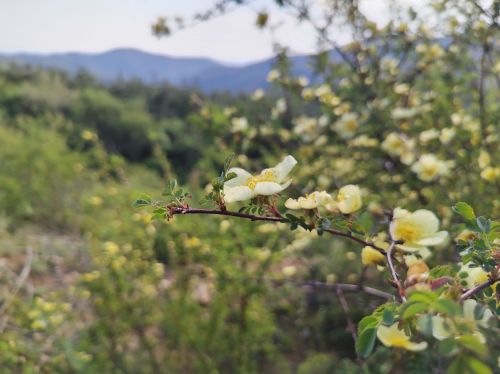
column 345, row 307
column 187, row 210
column 348, row 287
column 472, row 291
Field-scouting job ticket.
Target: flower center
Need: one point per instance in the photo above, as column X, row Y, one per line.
column 398, row 341
column 266, row 176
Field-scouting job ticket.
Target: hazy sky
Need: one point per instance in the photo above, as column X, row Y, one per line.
column 98, row 25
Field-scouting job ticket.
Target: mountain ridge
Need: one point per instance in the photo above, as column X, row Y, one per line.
column 128, row 63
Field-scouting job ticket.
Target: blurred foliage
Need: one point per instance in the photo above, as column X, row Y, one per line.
column 88, row 284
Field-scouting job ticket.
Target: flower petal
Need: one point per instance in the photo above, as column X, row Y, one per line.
column 440, row 329
column 269, row 188
column 426, row 220
column 284, row 168
column 241, row 177
column 238, row 193
column 415, row 347
column 435, row 239
column 292, row 204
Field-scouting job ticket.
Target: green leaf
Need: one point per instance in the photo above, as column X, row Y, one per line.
column 446, row 306
column 388, row 317
column 476, row 366
column 227, row 163
column 465, row 210
column 411, row 309
column 366, row 341
column 425, row 297
column 367, row 322
column 447, row 347
column 473, row 344
column 230, row 176
column 143, row 200
column 425, row 324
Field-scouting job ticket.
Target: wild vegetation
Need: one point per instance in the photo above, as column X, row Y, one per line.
column 346, row 225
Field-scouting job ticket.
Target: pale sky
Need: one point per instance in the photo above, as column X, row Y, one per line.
column 50, row 26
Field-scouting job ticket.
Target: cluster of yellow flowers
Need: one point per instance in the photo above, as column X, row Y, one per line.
column 348, row 200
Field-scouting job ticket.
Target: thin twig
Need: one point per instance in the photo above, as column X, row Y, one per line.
column 345, row 306
column 472, row 291
column 347, row 287
column 252, row 217
column 395, row 276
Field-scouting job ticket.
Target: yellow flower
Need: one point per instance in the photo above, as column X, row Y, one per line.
column 400, row 146
column 310, row 201
column 489, row 174
column 95, row 200
column 271, row 181
column 348, row 200
column 111, row 247
column 447, row 135
column 392, row 336
column 484, row 159
column 429, row 167
column 370, row 256
column 347, row 125
column 417, row 230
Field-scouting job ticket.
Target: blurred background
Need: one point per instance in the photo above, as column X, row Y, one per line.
column 102, row 101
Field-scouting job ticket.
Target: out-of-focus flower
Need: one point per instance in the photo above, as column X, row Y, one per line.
column 404, row 113
column 428, row 135
column 484, row 159
column 490, row 174
column 347, row 125
column 443, row 327
column 348, row 200
column 447, row 135
column 273, row 75
column 400, row 146
column 310, row 201
column 429, row 167
column 392, row 336
column 271, row 181
column 475, row 275
column 239, row 124
column 370, row 256
column 418, row 229
column 258, row 94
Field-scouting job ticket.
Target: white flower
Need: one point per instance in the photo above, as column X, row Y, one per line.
column 447, row 135
column 310, row 201
column 348, row 200
column 269, row 182
column 428, row 135
column 429, row 167
column 400, row 146
column 418, row 229
column 347, row 125
column 239, row 124
column 273, row 75
column 258, row 94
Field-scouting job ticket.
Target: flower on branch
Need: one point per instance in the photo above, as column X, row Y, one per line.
column 416, row 230
column 313, row 200
column 370, row 256
column 245, row 186
column 392, row 336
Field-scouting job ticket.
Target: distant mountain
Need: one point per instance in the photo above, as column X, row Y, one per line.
column 205, row 74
